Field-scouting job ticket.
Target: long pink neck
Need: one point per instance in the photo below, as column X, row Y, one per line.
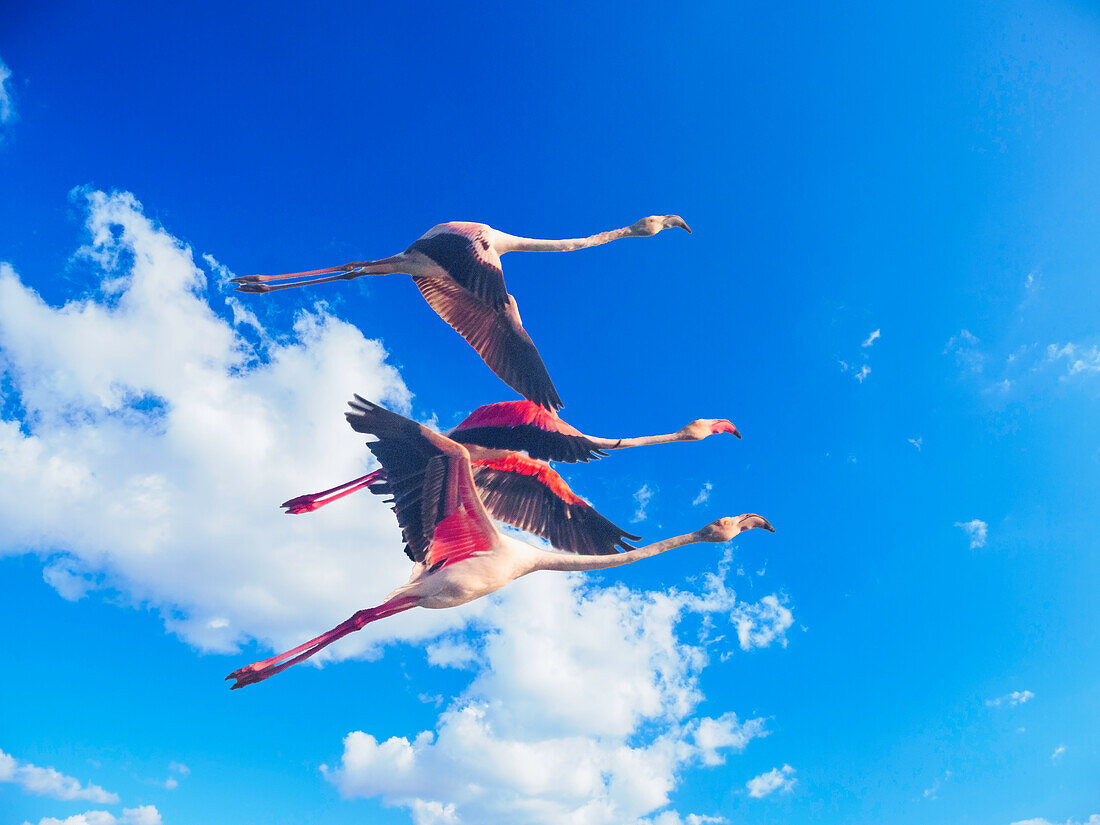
column 569, row 561
column 640, row 441
column 512, row 243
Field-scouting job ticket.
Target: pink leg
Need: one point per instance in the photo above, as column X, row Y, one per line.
column 258, row 671
column 257, row 283
column 312, row 501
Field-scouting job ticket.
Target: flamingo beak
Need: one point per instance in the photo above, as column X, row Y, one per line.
column 724, row 426
column 676, row 220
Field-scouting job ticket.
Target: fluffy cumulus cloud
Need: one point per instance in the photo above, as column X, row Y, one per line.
column 50, row 782
column 149, row 427
column 583, row 711
column 145, row 440
column 144, row 815
column 976, row 530
column 1017, row 697
column 762, row 623
column 777, row 779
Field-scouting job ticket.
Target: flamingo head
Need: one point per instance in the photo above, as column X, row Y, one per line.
column 655, row 223
column 700, row 428
column 726, row 528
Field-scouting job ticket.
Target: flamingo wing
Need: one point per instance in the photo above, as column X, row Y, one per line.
column 429, row 478
column 464, row 255
column 529, row 495
column 497, row 335
column 522, row 425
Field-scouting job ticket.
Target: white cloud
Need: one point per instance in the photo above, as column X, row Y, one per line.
column 712, row 735
column 1092, row 820
column 451, row 653
column 1017, row 697
column 1080, row 360
column 143, row 815
column 581, row 713
column 976, row 530
column 933, row 792
column 777, row 779
column 864, row 371
column 7, row 103
column 171, row 783
column 874, row 336
column 86, row 818
column 179, row 767
column 153, row 439
column 1059, row 752
column 964, row 347
column 49, row 782
column 917, row 442
column 704, row 494
column 760, row 624
column 642, row 498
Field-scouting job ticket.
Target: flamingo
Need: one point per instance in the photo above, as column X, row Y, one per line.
column 456, row 267
column 458, row 554
column 521, row 436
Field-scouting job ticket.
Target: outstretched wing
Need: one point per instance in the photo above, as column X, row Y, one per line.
column 464, row 251
column 529, row 495
column 497, row 335
column 428, row 476
column 522, row 425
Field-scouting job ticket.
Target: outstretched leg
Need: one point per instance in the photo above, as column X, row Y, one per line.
column 346, row 272
column 258, row 671
column 312, row 501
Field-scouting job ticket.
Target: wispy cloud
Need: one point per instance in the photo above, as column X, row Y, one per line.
column 1092, row 820
column 864, row 371
column 7, row 101
column 49, row 782
column 1017, row 697
column 933, row 792
column 642, row 496
column 1080, row 360
column 777, row 779
column 1059, row 752
column 874, row 336
column 916, row 442
column 703, row 495
column 976, row 530
column 964, row 347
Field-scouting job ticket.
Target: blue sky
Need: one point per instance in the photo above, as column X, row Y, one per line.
column 917, row 643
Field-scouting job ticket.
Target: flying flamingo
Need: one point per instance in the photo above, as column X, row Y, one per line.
column 520, row 436
column 458, row 554
column 456, row 267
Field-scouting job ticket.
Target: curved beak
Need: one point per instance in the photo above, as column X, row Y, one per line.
column 676, row 220
column 755, row 521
